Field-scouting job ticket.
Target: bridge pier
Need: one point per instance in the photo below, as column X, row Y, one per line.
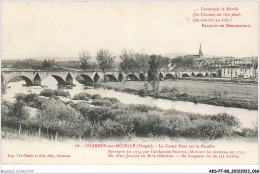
column 37, row 80
column 37, row 83
column 69, row 81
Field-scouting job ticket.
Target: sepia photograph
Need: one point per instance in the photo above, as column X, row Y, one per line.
column 129, row 83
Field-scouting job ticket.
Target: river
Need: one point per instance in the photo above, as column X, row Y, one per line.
column 247, row 117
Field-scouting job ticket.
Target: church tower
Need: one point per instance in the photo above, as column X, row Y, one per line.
column 200, row 52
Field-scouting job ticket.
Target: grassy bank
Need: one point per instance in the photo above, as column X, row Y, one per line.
column 103, row 118
column 229, row 94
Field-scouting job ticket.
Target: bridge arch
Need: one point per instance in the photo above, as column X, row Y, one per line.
column 185, row 75
column 132, row 77
column 169, row 76
column 59, row 80
column 87, row 79
column 199, row 75
column 111, row 78
column 27, row 80
column 213, row 75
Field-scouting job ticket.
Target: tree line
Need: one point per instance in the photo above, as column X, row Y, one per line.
column 131, row 61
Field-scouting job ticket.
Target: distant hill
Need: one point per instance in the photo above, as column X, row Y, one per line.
column 175, row 54
column 57, row 59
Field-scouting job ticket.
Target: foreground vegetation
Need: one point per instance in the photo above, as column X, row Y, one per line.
column 227, row 94
column 101, row 118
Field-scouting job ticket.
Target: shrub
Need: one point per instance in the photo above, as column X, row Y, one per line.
column 61, row 93
column 247, row 132
column 139, row 121
column 165, row 89
column 19, row 96
column 6, row 111
column 99, row 114
column 209, row 129
column 154, row 124
column 82, row 96
column 141, row 108
column 176, row 125
column 83, row 108
column 110, row 128
column 142, row 92
column 50, row 93
column 101, row 102
column 226, row 118
column 96, row 96
column 174, row 90
column 47, row 92
column 180, row 96
column 30, row 97
column 27, row 98
column 156, row 94
column 19, row 111
column 193, row 116
column 113, row 100
column 126, row 124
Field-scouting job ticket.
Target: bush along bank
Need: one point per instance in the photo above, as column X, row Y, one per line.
column 217, row 99
column 107, row 118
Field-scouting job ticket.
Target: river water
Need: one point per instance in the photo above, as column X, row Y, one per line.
column 247, row 117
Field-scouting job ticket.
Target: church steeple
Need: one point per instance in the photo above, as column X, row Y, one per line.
column 200, row 52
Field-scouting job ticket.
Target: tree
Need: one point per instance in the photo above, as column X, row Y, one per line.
column 80, row 123
column 19, row 111
column 47, row 64
column 124, row 65
column 183, row 62
column 154, row 64
column 52, row 111
column 142, row 61
column 66, row 113
column 6, row 111
column 163, row 62
column 84, row 58
column 105, row 61
column 133, row 61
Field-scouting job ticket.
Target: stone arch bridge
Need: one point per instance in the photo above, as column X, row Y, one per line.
column 34, row 78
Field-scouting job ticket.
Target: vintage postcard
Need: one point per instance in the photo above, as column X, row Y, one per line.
column 129, row 83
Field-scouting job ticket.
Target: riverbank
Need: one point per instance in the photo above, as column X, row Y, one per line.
column 228, row 94
column 103, row 117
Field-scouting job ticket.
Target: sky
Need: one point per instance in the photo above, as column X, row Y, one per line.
column 63, row 29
